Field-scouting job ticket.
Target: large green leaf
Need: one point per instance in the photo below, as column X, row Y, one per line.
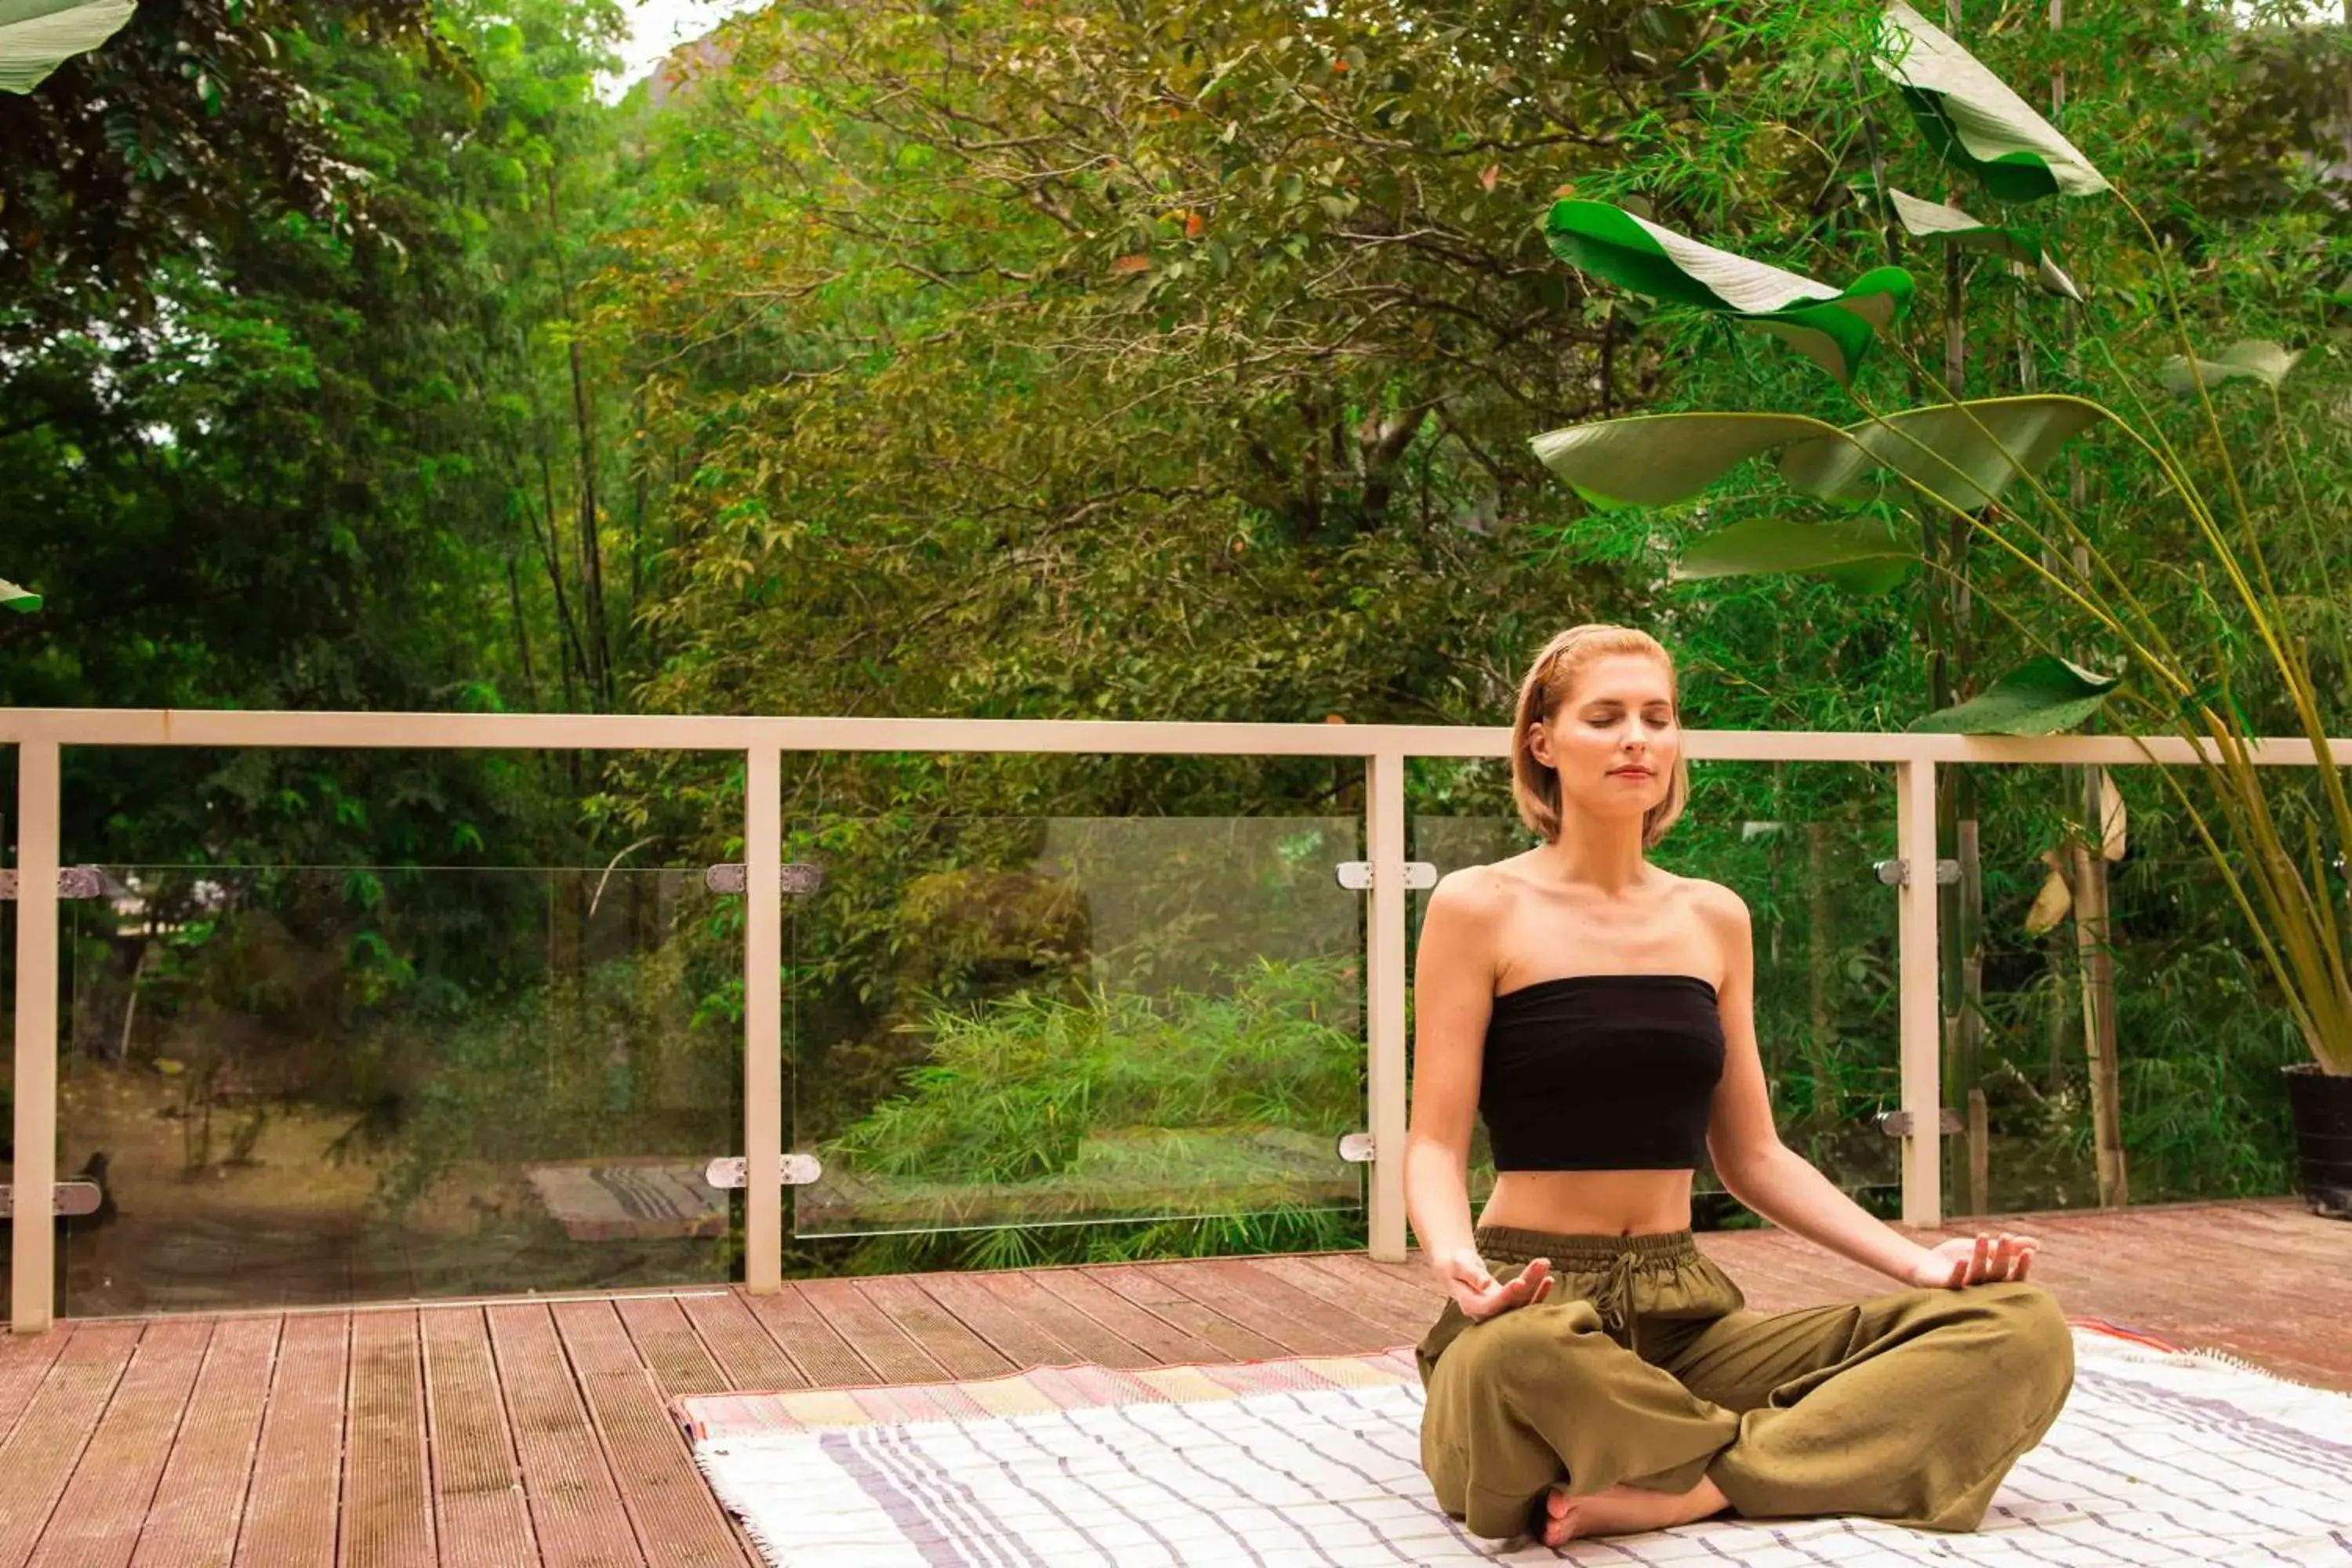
column 2250, row 359
column 1971, row 118
column 1657, row 459
column 1967, row 453
column 2041, row 697
column 1857, row 553
column 1832, row 327
column 23, row 600
column 1934, row 220
column 37, row 36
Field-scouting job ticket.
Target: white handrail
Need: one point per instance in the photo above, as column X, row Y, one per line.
column 761, row 740
column 631, row 731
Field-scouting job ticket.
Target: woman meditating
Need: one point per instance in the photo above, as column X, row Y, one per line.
column 1593, row 1373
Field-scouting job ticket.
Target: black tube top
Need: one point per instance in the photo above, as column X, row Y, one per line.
column 1602, row 1072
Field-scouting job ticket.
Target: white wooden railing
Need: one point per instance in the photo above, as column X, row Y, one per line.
column 40, row 735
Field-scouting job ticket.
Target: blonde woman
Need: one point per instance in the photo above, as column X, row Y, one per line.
column 1593, row 1374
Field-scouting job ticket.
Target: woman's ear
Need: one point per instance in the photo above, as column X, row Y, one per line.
column 1539, row 746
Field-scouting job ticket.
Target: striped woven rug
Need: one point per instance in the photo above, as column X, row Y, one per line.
column 2161, row 1459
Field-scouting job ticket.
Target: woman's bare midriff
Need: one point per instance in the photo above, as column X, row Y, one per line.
column 1590, row 1203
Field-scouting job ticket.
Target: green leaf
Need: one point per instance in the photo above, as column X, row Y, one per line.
column 1933, row 220
column 2250, row 359
column 2041, row 697
column 1657, row 459
column 1832, row 327
column 1861, row 555
column 1971, row 118
column 39, row 35
column 22, row 600
column 1969, row 453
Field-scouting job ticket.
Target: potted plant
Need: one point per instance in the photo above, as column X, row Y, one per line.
column 1928, row 485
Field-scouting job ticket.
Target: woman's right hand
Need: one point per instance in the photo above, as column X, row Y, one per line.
column 1481, row 1295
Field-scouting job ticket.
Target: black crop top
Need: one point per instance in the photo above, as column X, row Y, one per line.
column 1602, row 1072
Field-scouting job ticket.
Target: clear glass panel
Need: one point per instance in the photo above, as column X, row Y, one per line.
column 1053, row 1021
column 324, row 1085
column 7, row 1038
column 2200, row 1035
column 1801, row 845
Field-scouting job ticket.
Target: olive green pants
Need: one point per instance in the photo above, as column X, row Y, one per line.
column 1645, row 1368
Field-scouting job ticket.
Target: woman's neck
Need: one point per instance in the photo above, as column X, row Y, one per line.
column 1598, row 853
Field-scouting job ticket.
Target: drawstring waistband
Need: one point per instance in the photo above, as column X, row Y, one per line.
column 1615, row 1301
column 1609, row 1264
column 1514, row 1246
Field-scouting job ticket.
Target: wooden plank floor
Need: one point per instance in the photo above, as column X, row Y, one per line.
column 522, row 1433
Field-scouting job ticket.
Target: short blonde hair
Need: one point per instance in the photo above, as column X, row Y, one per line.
column 1550, row 680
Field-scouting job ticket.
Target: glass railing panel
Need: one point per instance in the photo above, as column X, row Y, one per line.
column 7, row 1059
column 1802, row 846
column 304, row 1085
column 1075, row 1021
column 2200, row 1033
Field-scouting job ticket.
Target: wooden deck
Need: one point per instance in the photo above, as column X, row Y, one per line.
column 520, row 1433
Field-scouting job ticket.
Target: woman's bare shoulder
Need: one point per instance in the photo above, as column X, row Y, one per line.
column 1719, row 917
column 1712, row 902
column 1480, row 890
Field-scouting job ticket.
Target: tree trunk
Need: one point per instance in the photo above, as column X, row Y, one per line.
column 1820, row 974
column 522, row 635
column 2094, row 935
column 597, row 638
column 2092, row 941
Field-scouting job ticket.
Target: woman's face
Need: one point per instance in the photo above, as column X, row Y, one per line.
column 1614, row 741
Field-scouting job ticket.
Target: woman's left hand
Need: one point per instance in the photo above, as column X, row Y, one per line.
column 1975, row 1260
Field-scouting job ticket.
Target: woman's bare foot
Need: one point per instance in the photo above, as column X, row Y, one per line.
column 1625, row 1511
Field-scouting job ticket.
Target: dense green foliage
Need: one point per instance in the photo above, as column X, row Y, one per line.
column 1013, row 360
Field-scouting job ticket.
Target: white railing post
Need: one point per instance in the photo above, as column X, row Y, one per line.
column 1384, row 983
column 763, row 1018
column 1918, row 1002
column 32, row 1256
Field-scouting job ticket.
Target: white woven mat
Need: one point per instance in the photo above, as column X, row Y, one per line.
column 2158, row 1461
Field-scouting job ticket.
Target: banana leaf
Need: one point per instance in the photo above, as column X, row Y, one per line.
column 1967, row 453
column 1832, row 327
column 22, row 600
column 2250, row 359
column 1857, row 554
column 1658, row 459
column 39, row 35
column 1934, row 220
column 1971, row 118
column 2041, row 697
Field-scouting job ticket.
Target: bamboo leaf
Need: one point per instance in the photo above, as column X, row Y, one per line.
column 2250, row 359
column 1657, row 459
column 39, row 35
column 1832, row 327
column 22, row 600
column 1971, row 117
column 2041, row 697
column 1859, row 554
column 1934, row 220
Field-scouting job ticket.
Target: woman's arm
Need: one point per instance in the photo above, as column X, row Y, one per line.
column 1780, row 1184
column 1454, row 992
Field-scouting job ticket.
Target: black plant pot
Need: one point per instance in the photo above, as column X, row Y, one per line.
column 2322, row 1104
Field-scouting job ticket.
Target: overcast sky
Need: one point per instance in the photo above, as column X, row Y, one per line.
column 658, row 27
